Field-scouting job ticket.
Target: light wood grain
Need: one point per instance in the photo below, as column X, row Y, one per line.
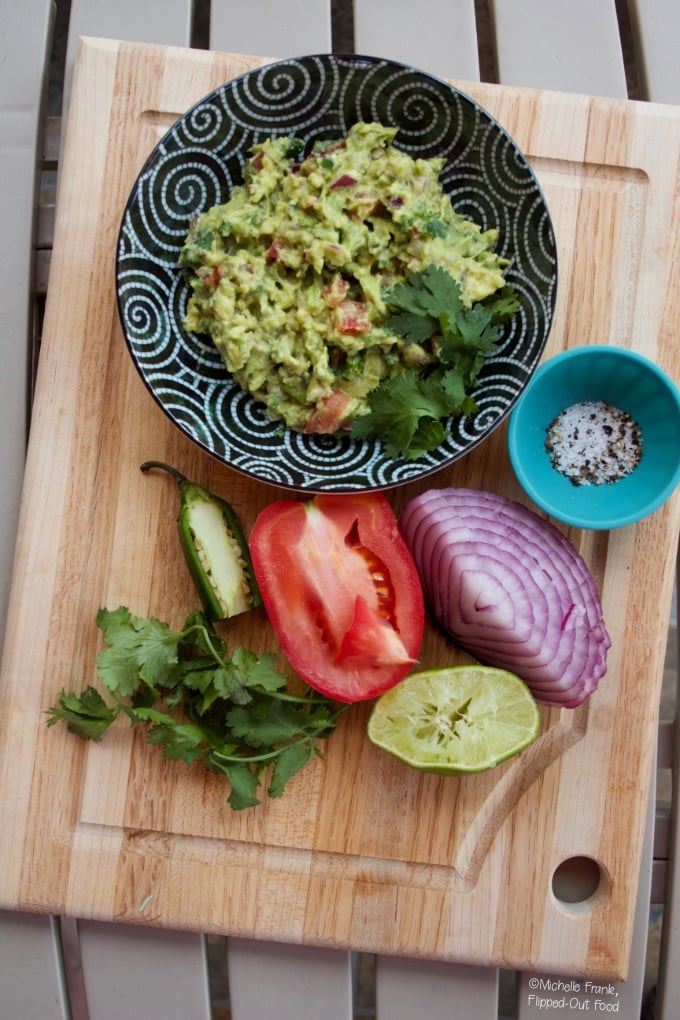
column 360, row 852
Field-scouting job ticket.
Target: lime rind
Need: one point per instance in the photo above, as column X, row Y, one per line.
column 456, row 720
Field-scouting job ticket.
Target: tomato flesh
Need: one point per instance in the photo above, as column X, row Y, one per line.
column 331, row 413
column 341, row 590
column 351, row 317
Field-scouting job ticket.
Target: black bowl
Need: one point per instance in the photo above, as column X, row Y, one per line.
column 195, row 167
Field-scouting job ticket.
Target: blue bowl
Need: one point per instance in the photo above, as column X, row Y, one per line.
column 628, row 382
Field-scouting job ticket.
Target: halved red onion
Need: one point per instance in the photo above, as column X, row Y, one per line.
column 510, row 589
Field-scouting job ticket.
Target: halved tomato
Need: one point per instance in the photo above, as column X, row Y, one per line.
column 341, row 590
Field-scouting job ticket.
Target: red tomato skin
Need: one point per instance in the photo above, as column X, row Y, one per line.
column 311, row 599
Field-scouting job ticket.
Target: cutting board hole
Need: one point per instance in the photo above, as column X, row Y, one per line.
column 578, row 882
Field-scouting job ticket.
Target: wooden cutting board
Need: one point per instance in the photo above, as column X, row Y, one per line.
column 361, row 852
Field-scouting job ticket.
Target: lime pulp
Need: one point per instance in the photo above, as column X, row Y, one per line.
column 456, row 720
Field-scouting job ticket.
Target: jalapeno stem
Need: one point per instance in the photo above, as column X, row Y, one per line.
column 148, row 465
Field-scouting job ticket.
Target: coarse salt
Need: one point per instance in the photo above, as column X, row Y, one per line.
column 593, row 443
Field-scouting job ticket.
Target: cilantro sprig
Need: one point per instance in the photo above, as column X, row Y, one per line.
column 231, row 712
column 408, row 411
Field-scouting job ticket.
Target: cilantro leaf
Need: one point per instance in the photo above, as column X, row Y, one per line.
column 397, row 410
column 226, row 684
column 460, row 402
column 179, row 741
column 177, row 738
column 413, row 327
column 200, row 674
column 290, row 761
column 453, row 384
column 427, row 436
column 249, row 670
column 86, row 715
column 141, row 651
column 244, row 783
column 467, row 331
column 504, row 305
column 267, row 723
column 426, row 293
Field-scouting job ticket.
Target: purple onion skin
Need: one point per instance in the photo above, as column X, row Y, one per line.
column 510, row 589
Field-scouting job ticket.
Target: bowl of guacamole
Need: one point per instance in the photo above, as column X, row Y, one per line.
column 336, row 273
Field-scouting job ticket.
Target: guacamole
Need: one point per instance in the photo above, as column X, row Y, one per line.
column 291, row 276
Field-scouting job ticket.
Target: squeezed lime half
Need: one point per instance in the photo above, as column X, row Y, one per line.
column 456, row 720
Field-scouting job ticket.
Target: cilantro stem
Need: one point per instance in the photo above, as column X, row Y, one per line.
column 299, row 699
column 252, row 759
column 304, row 738
column 198, row 628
